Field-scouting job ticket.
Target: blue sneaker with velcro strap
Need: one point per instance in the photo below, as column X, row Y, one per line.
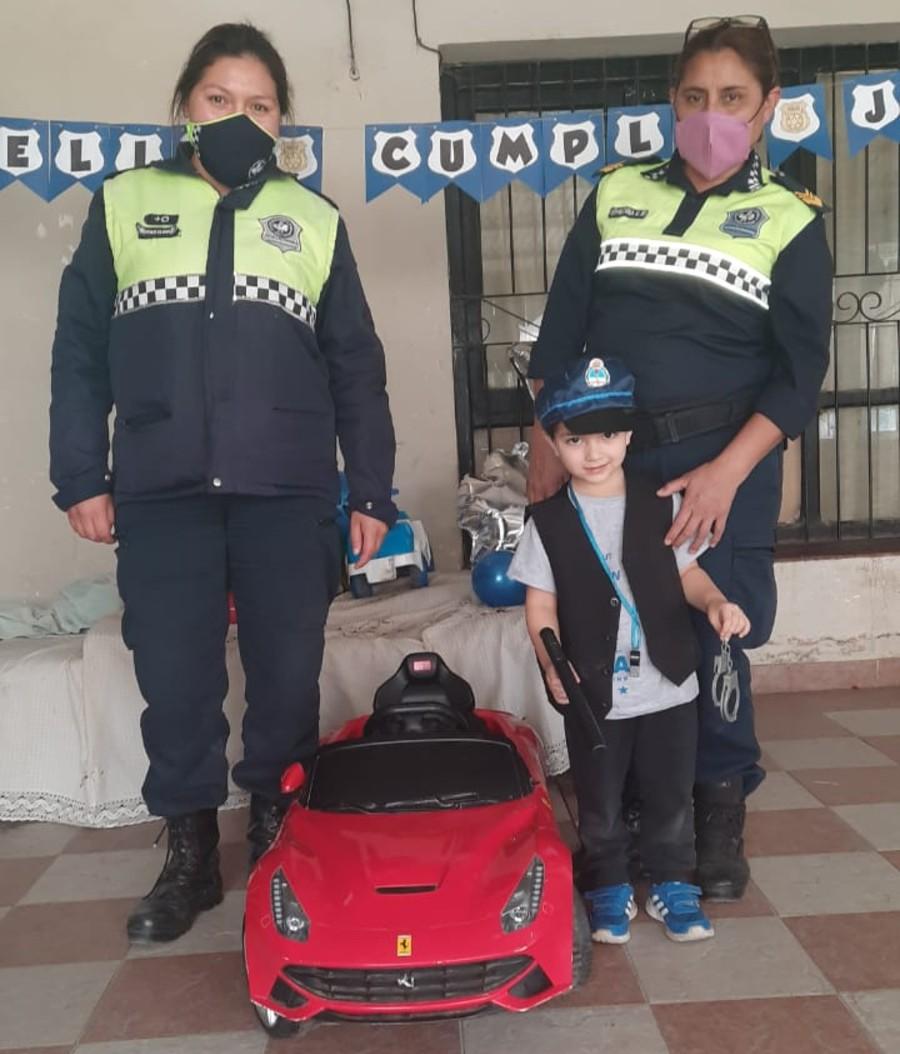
column 611, row 909
column 677, row 906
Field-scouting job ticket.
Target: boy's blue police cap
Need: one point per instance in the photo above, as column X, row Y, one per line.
column 592, row 395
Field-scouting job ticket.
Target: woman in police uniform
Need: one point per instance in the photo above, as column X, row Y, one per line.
column 216, row 304
column 711, row 277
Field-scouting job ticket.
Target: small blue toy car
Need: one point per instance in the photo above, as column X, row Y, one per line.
column 404, row 551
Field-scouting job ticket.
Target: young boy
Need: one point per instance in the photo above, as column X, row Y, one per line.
column 599, row 573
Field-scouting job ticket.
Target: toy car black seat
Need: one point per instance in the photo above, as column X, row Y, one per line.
column 423, row 696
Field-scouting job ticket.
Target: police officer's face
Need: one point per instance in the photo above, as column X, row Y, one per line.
column 240, row 84
column 593, row 458
column 723, row 82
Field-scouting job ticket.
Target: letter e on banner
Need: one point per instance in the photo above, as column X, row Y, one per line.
column 20, row 151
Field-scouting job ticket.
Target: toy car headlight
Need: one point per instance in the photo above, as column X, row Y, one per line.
column 291, row 920
column 522, row 907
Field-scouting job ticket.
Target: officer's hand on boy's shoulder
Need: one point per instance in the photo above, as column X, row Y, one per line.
column 727, row 619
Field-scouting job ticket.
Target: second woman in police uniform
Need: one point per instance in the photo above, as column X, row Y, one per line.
column 216, row 303
column 711, row 278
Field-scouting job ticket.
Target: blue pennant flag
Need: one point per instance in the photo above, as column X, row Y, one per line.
column 299, row 152
column 639, row 132
column 79, row 153
column 25, row 153
column 394, row 154
column 511, row 148
column 452, row 152
column 573, row 145
column 872, row 108
column 138, row 145
column 799, row 120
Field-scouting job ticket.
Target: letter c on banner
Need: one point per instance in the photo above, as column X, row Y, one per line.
column 574, row 145
column 395, row 153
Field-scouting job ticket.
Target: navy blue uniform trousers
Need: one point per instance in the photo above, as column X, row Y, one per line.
column 177, row 559
column 741, row 566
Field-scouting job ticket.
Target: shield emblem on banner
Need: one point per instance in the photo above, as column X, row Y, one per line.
column 796, row 118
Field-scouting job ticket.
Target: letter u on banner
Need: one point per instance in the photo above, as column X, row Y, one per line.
column 453, row 155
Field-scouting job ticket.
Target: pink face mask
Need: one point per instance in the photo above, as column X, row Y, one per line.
column 712, row 143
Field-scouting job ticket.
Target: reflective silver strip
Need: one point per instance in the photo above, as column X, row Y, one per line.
column 682, row 257
column 270, row 291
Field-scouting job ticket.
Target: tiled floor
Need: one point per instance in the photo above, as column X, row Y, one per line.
column 807, row 963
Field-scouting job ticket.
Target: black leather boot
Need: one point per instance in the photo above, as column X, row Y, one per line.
column 719, row 813
column 189, row 882
column 265, row 822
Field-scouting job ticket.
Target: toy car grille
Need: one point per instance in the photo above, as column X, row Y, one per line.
column 414, row 985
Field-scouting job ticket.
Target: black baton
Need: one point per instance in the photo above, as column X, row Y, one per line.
column 577, row 699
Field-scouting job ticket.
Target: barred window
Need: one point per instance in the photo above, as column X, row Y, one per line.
column 842, row 477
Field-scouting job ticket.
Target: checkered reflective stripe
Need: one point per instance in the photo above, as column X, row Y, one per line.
column 270, row 291
column 684, row 258
column 178, row 288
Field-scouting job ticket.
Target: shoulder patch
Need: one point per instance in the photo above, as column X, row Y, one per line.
column 800, row 192
column 611, row 168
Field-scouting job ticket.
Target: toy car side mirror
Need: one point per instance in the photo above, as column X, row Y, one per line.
column 293, row 778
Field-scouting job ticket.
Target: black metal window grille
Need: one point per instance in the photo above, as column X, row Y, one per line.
column 842, row 478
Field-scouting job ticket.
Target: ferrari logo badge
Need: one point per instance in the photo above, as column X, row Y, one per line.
column 404, row 945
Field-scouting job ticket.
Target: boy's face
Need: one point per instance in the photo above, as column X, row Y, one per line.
column 592, row 458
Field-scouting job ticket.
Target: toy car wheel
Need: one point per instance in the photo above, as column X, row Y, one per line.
column 582, row 945
column 418, row 577
column 360, row 586
column 275, row 1024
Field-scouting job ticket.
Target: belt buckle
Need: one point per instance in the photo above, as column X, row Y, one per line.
column 670, row 432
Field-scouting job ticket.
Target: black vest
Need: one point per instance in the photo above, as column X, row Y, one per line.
column 588, row 608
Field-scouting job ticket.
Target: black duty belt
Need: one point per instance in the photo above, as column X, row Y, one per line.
column 672, row 426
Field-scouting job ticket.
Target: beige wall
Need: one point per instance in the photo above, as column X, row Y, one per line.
column 116, row 61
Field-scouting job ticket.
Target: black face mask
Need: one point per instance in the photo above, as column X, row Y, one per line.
column 234, row 150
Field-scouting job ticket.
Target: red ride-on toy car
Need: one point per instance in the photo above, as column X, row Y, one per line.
column 419, row 873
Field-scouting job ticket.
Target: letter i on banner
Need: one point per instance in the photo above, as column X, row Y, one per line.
column 24, row 154
column 511, row 149
column 635, row 133
column 573, row 145
column 79, row 153
column 799, row 120
column 299, row 152
column 139, row 145
column 871, row 108
column 452, row 156
column 394, row 156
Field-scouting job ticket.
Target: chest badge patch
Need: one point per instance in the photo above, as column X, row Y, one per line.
column 596, row 375
column 627, row 212
column 282, row 232
column 158, row 225
column 744, row 223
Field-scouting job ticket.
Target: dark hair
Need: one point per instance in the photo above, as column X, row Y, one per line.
column 232, row 39
column 753, row 45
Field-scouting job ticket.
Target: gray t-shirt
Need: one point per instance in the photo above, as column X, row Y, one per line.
column 650, row 691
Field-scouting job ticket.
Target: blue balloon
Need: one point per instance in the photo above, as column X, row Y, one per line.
column 491, row 583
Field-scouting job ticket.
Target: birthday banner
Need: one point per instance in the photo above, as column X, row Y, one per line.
column 51, row 156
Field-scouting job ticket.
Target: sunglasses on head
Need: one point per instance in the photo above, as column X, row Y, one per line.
column 701, row 25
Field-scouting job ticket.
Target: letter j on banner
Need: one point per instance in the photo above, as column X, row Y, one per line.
column 573, row 146
column 394, row 156
column 872, row 107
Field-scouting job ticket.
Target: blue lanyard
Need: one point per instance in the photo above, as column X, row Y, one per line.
column 635, row 658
